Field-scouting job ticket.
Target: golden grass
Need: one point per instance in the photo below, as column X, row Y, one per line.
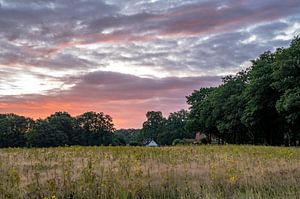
column 139, row 172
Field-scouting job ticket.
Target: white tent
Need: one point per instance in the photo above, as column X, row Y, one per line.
column 152, row 143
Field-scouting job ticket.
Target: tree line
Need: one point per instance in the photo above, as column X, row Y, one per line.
column 260, row 105
column 59, row 129
column 89, row 129
column 158, row 128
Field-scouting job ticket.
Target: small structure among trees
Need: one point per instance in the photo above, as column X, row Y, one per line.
column 152, row 143
column 199, row 136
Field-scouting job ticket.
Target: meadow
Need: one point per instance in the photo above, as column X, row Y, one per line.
column 138, row 172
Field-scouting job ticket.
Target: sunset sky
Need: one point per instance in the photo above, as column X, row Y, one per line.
column 125, row 58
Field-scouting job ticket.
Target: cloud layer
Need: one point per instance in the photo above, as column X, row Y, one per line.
column 127, row 57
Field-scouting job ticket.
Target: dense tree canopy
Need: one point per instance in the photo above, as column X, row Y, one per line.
column 13, row 130
column 153, row 126
column 59, row 129
column 260, row 105
column 97, row 128
column 175, row 128
column 126, row 137
column 165, row 130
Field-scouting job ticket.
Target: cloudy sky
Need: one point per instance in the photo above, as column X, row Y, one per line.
column 125, row 57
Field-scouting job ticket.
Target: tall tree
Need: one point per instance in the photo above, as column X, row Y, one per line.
column 175, row 128
column 260, row 105
column 126, row 136
column 153, row 126
column 45, row 134
column 286, row 75
column 260, row 114
column 97, row 128
column 59, row 129
column 200, row 117
column 65, row 123
column 229, row 105
column 13, row 130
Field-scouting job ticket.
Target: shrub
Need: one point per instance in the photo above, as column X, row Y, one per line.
column 178, row 142
column 134, row 143
column 204, row 141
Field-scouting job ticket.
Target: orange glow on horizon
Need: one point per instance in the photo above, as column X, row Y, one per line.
column 43, row 110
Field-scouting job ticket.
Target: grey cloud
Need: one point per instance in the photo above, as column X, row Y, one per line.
column 102, row 86
column 167, row 37
column 117, row 86
column 199, row 39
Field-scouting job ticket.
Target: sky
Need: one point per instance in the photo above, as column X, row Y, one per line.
column 127, row 57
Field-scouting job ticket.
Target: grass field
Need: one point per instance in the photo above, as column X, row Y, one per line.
column 139, row 172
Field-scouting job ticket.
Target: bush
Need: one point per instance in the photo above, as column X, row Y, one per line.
column 178, row 142
column 204, row 141
column 118, row 142
column 134, row 143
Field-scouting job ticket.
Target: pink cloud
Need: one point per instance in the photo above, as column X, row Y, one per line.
column 125, row 97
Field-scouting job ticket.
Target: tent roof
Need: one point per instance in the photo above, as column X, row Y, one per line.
column 152, row 143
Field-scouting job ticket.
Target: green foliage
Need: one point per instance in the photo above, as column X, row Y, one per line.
column 134, row 143
column 44, row 134
column 59, row 129
column 178, row 142
column 218, row 111
column 127, row 135
column 286, row 77
column 13, row 129
column 163, row 130
column 117, row 141
column 204, row 141
column 175, row 128
column 260, row 105
column 96, row 127
column 260, row 114
column 153, row 126
column 200, row 111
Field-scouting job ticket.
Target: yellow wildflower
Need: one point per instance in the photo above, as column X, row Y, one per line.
column 233, row 180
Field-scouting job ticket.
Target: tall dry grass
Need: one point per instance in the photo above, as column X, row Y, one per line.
column 139, row 172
